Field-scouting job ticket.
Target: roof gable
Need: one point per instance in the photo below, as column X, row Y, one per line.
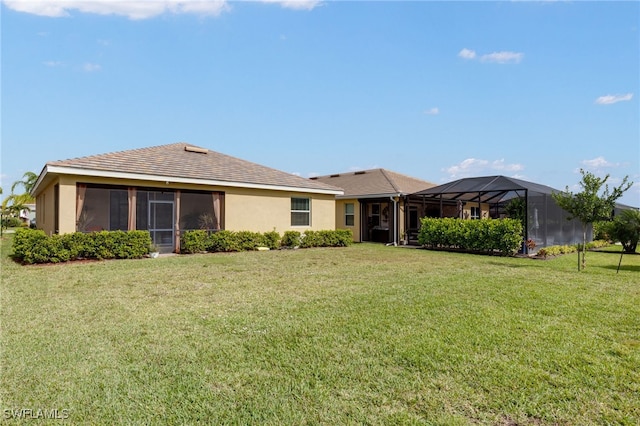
column 374, row 182
column 188, row 162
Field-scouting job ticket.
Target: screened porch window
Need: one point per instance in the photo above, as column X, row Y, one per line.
column 300, row 211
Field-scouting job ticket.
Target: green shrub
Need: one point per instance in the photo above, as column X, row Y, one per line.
column 222, row 241
column 34, row 246
column 503, row 236
column 558, row 250
column 291, row 239
column 194, row 241
column 11, row 222
column 248, row 240
column 271, row 239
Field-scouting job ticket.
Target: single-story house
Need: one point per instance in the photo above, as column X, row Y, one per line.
column 375, row 204
column 171, row 188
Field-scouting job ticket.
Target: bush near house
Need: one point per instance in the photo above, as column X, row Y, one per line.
column 198, row 241
column 503, row 236
column 34, row 246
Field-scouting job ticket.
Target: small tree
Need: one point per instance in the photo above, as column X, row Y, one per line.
column 626, row 229
column 589, row 205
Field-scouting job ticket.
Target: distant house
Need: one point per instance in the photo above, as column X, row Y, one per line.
column 375, row 204
column 169, row 189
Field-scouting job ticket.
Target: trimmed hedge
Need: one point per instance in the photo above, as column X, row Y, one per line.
column 503, row 236
column 34, row 246
column 565, row 249
column 199, row 241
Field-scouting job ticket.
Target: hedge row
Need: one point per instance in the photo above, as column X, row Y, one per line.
column 572, row 248
column 199, row 241
column 503, row 236
column 34, row 246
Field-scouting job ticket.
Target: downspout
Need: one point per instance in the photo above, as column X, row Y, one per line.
column 395, row 220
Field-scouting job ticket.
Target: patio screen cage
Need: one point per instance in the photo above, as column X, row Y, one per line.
column 544, row 221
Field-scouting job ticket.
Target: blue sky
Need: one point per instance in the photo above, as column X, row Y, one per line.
column 435, row 90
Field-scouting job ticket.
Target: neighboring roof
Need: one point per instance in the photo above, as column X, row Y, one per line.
column 184, row 163
column 491, row 188
column 374, row 183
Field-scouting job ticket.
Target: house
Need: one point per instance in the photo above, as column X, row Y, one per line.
column 375, row 204
column 169, row 189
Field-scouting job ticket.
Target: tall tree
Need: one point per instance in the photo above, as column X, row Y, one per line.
column 592, row 204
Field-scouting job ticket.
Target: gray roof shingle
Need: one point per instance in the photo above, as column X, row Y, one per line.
column 374, row 182
column 183, row 160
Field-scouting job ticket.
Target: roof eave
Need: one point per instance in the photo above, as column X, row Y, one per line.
column 52, row 169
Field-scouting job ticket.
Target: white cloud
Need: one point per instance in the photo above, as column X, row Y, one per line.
column 53, row 63
column 477, row 167
column 432, row 111
column 597, row 163
column 139, row 9
column 467, row 54
column 136, row 9
column 89, row 67
column 612, row 99
column 296, row 4
column 503, row 57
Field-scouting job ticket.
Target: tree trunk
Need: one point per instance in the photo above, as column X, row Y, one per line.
column 584, row 245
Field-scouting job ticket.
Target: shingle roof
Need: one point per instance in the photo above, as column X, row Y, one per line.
column 186, row 161
column 374, row 182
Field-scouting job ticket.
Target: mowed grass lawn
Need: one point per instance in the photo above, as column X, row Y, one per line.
column 360, row 335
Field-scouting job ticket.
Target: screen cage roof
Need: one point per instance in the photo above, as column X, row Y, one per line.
column 485, row 189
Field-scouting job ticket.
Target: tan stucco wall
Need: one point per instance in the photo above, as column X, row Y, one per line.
column 244, row 209
column 45, row 209
column 340, row 217
column 262, row 210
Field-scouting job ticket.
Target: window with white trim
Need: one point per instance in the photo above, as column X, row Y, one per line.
column 349, row 214
column 475, row 212
column 300, row 211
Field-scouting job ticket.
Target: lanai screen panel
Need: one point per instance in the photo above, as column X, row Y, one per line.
column 548, row 224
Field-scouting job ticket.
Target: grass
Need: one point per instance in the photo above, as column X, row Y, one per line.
column 360, row 335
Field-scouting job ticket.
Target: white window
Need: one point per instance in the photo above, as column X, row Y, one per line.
column 475, row 212
column 300, row 212
column 349, row 215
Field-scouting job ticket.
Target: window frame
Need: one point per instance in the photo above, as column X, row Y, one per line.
column 298, row 212
column 477, row 210
column 349, row 215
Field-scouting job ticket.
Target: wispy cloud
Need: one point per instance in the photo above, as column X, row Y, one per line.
column 504, row 57
column 612, row 99
column 53, row 64
column 296, row 4
column 89, row 67
column 475, row 166
column 597, row 163
column 432, row 111
column 467, row 54
column 139, row 9
column 136, row 9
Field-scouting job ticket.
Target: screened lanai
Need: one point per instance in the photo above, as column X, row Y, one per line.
column 497, row 197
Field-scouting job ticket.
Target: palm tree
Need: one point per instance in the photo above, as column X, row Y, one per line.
column 28, row 182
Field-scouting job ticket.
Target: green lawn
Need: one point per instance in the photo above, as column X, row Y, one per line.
column 360, row 335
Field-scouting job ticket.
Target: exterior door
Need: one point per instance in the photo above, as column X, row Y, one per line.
column 161, row 220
